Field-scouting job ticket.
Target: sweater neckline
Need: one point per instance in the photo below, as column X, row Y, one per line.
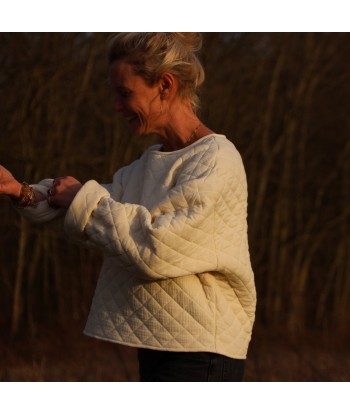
column 157, row 148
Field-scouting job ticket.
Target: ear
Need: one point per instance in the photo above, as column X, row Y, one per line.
column 167, row 85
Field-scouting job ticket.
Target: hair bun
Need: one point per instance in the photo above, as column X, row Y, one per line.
column 192, row 41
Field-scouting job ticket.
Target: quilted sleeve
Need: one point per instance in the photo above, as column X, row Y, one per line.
column 176, row 238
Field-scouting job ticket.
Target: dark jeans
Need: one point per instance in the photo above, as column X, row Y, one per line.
column 159, row 366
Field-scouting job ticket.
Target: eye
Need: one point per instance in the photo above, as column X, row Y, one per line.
column 124, row 93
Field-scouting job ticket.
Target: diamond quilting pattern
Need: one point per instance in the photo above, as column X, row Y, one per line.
column 162, row 312
column 177, row 273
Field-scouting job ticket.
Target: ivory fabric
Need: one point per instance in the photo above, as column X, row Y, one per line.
column 42, row 213
column 176, row 274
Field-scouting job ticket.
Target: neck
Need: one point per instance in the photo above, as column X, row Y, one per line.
column 182, row 128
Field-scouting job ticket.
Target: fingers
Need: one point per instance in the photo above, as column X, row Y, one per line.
column 57, row 181
column 54, row 190
column 51, row 193
column 63, row 191
column 49, row 197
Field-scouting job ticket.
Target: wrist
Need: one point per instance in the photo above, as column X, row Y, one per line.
column 26, row 196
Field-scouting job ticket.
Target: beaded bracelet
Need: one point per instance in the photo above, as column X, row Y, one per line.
column 26, row 197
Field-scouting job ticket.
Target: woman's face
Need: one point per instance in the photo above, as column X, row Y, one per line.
column 139, row 102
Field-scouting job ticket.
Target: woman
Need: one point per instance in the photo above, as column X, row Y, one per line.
column 176, row 281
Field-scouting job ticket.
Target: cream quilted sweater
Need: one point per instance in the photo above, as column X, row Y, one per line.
column 172, row 226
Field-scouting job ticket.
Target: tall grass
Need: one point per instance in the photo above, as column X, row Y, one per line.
column 281, row 98
column 284, row 99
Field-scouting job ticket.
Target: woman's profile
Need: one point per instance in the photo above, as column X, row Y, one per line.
column 176, row 281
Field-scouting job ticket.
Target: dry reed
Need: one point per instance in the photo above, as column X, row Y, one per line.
column 281, row 98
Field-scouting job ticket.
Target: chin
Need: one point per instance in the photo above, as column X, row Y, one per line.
column 136, row 128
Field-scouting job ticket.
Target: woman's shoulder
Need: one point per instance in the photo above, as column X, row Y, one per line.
column 215, row 142
column 214, row 154
column 220, row 147
column 225, row 157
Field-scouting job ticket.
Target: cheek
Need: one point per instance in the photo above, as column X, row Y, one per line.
column 156, row 109
column 148, row 110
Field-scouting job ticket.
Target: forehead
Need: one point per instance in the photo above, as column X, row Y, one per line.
column 121, row 70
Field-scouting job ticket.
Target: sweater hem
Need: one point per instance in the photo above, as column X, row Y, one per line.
column 165, row 349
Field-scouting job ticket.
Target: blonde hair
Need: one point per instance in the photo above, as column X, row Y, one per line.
column 152, row 54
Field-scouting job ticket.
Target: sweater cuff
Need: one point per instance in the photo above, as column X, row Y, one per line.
column 42, row 213
column 82, row 207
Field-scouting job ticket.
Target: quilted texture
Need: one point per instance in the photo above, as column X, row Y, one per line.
column 176, row 274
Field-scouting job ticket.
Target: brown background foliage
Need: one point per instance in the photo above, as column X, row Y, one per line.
column 282, row 98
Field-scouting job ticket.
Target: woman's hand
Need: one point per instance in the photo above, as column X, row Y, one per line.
column 8, row 184
column 63, row 191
